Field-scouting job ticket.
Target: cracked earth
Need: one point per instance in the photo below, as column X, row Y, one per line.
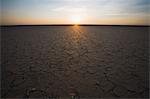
column 97, row 61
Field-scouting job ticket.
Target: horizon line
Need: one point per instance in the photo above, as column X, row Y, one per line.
column 73, row 25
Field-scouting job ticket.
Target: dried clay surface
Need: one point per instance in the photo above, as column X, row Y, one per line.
column 96, row 61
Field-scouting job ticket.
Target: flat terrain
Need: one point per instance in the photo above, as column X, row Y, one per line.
column 95, row 61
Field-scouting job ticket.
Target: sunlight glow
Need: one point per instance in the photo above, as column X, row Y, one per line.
column 109, row 12
column 76, row 20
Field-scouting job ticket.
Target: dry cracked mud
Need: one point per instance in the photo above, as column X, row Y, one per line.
column 97, row 61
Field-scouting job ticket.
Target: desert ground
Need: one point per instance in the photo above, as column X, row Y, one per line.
column 94, row 61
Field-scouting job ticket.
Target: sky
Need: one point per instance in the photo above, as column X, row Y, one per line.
column 128, row 12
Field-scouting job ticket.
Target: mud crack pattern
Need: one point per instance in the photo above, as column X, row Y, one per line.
column 98, row 61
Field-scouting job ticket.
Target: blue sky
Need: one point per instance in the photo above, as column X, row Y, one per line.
column 62, row 11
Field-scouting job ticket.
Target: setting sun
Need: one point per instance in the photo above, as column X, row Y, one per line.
column 75, row 20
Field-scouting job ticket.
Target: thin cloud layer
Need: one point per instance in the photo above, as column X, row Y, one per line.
column 63, row 9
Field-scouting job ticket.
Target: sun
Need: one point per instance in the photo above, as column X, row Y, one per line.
column 76, row 20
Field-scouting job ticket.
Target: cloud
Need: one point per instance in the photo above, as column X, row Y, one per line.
column 90, row 9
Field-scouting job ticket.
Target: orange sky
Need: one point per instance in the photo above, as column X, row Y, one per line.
column 121, row 12
column 121, row 21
